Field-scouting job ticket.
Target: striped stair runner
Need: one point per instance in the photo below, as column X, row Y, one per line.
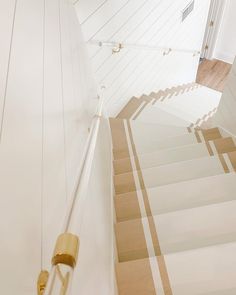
column 175, row 204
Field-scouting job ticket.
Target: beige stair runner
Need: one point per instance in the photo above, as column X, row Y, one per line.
column 141, row 267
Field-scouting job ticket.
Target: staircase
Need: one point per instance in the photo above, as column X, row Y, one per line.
column 174, row 196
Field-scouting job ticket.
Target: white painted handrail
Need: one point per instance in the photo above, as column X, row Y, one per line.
column 72, row 220
column 117, row 46
column 67, row 246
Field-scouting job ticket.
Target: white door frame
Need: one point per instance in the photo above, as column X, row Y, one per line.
column 216, row 12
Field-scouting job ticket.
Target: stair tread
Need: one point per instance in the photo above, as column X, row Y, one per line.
column 145, row 137
column 184, row 145
column 205, row 271
column 177, row 163
column 178, row 196
column 178, row 231
column 175, row 154
column 152, row 145
column 151, row 125
column 176, row 172
column 173, row 91
column 175, row 199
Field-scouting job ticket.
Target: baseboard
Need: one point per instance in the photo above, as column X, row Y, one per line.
column 226, row 57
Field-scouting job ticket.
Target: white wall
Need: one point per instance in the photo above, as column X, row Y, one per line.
column 226, row 41
column 148, row 22
column 46, row 91
column 225, row 116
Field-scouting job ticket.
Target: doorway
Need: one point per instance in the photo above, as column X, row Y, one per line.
column 215, row 16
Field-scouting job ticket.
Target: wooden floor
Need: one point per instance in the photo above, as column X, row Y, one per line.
column 213, row 74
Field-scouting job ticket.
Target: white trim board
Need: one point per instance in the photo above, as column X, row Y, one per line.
column 216, row 14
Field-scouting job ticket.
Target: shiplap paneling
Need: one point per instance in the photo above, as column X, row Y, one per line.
column 20, row 153
column 7, row 18
column 53, row 132
column 49, row 104
column 133, row 72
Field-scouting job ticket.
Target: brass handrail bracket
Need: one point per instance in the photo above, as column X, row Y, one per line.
column 117, row 49
column 66, row 250
column 42, row 281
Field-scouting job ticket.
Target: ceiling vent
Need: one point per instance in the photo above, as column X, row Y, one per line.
column 187, row 10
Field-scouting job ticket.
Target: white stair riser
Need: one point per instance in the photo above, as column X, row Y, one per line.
column 169, row 156
column 182, row 171
column 193, row 193
column 151, row 132
column 197, row 227
column 196, row 103
column 157, row 116
column 176, row 111
column 208, row 271
column 143, row 147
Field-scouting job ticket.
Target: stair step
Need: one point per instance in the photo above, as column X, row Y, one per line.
column 198, row 103
column 143, row 135
column 178, row 231
column 178, row 196
column 175, row 196
column 141, row 132
column 153, row 145
column 183, row 153
column 131, row 107
column 149, row 146
column 178, row 112
column 174, row 91
column 135, row 105
column 204, row 271
column 175, row 172
column 156, row 115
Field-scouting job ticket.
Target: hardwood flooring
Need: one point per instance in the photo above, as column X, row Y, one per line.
column 213, row 74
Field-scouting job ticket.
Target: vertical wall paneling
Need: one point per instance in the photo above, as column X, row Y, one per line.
column 90, row 7
column 49, row 104
column 151, row 23
column 20, row 153
column 54, row 196
column 7, row 20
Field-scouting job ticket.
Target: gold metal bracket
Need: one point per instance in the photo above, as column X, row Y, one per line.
column 117, row 49
column 66, row 250
column 167, row 52
column 42, row 281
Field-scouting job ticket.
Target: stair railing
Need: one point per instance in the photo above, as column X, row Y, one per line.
column 118, row 46
column 66, row 250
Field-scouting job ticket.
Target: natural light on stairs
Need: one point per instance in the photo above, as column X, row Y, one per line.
column 118, row 147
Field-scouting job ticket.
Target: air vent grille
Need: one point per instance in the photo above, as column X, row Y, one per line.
column 187, row 10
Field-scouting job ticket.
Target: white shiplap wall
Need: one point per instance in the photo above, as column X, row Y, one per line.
column 46, row 91
column 147, row 22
